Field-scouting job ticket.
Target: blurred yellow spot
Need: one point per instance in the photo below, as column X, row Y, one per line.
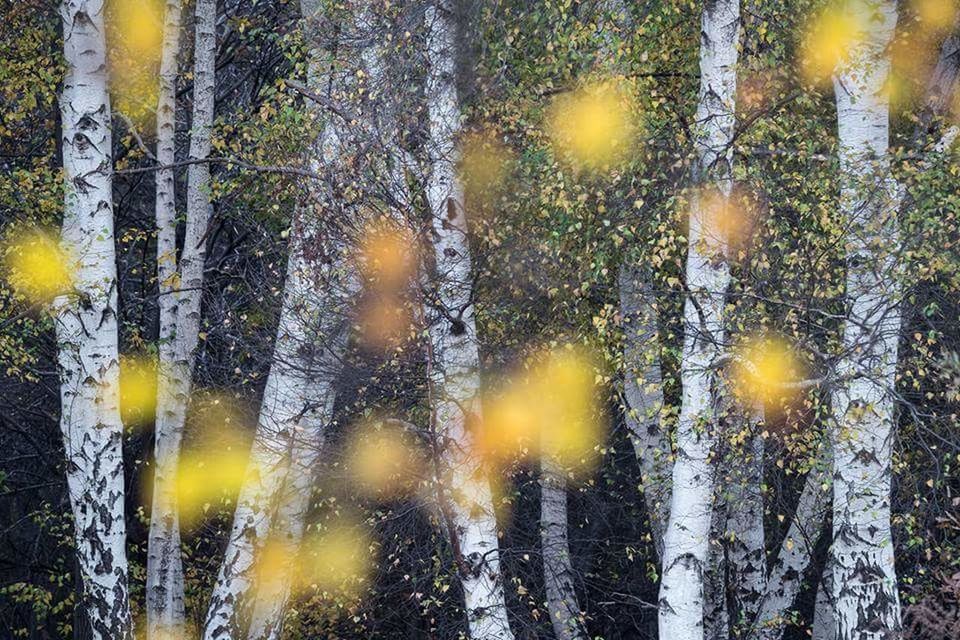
column 337, row 559
column 138, row 389
column 205, row 479
column 828, row 41
column 764, row 368
column 135, row 37
column 215, row 466
column 388, row 256
column 383, row 460
column 936, row 14
column 727, row 220
column 594, row 126
column 552, row 410
column 483, row 165
column 36, row 267
column 138, row 25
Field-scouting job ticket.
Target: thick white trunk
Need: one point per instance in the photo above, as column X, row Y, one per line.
column 86, row 324
column 565, row 614
column 164, row 593
column 455, row 356
column 686, row 540
column 642, row 390
column 864, row 580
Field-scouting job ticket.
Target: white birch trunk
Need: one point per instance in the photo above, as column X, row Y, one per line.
column 86, row 325
column 642, row 390
column 824, row 620
column 164, row 593
column 321, row 285
column 565, row 614
column 785, row 579
column 272, row 596
column 686, row 540
column 455, row 356
column 864, row 580
column 745, row 539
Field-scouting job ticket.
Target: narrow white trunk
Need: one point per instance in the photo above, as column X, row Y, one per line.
column 164, row 593
column 455, row 356
column 686, row 540
column 642, row 390
column 86, row 324
column 785, row 579
column 745, row 540
column 864, row 580
column 824, row 620
column 299, row 396
column 565, row 614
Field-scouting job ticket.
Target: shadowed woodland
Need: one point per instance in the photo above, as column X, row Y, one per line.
column 480, row 319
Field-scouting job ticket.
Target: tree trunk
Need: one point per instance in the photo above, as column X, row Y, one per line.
column 86, row 325
column 164, row 593
column 455, row 356
column 321, row 286
column 745, row 541
column 686, row 540
column 787, row 570
column 824, row 620
column 565, row 615
column 864, row 580
column 642, row 390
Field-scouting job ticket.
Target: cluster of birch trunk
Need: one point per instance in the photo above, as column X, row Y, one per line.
column 857, row 596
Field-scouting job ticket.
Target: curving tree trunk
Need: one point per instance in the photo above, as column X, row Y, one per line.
column 686, row 540
column 86, row 326
column 164, row 594
column 455, row 355
column 864, row 581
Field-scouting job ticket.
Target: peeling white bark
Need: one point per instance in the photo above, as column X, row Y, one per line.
column 86, row 325
column 864, row 580
column 824, row 620
column 745, row 540
column 455, row 356
column 686, row 540
column 164, row 593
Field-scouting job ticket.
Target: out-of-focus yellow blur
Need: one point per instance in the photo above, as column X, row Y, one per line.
column 550, row 409
column 138, row 389
column 764, row 368
column 828, row 41
column 594, row 127
column 383, row 460
column 36, row 267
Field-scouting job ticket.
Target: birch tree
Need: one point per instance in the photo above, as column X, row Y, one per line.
column 686, row 540
column 455, row 356
column 321, row 284
column 864, row 581
column 86, row 327
column 165, row 607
